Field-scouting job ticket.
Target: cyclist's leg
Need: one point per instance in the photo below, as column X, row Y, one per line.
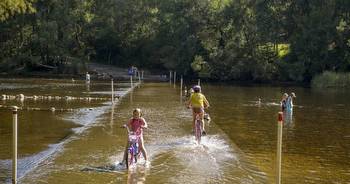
column 193, row 119
column 142, row 148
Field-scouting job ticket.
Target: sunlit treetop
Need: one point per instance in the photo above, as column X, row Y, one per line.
column 219, row 4
column 9, row 8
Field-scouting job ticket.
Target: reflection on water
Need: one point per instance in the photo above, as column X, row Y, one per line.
column 137, row 175
column 314, row 143
column 87, row 86
column 288, row 118
column 240, row 146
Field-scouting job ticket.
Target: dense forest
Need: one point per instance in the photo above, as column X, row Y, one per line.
column 226, row 40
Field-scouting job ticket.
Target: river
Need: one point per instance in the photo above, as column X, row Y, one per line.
column 86, row 144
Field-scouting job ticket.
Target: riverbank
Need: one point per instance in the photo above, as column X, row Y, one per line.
column 331, row 80
column 97, row 71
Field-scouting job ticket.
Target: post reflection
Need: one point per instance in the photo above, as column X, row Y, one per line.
column 111, row 121
column 137, row 175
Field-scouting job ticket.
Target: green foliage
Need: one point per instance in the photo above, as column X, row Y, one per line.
column 200, row 66
column 331, row 80
column 197, row 63
column 283, row 50
column 221, row 39
column 9, row 8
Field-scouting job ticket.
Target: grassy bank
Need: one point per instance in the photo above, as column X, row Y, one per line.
column 331, row 80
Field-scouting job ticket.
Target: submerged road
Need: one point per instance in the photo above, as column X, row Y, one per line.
column 175, row 158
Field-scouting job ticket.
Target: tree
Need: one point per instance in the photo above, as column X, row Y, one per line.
column 9, row 8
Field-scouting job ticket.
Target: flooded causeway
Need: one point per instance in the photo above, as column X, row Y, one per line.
column 85, row 144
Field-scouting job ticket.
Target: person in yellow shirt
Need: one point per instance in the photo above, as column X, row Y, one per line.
column 198, row 102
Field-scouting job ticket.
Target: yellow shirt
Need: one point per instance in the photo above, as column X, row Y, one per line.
column 197, row 100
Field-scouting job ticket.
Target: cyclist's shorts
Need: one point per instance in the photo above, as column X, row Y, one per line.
column 198, row 110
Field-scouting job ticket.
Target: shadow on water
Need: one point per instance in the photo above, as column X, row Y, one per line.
column 135, row 174
column 106, row 168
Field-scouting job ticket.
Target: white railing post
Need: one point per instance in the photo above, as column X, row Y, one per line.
column 199, row 82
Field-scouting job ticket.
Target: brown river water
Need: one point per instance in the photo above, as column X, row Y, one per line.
column 84, row 143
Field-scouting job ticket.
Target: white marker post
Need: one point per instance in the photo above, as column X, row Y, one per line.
column 199, row 82
column 112, row 85
column 131, row 81
column 174, row 78
column 170, row 77
column 181, row 83
column 14, row 144
column 142, row 74
column 139, row 78
column 279, row 148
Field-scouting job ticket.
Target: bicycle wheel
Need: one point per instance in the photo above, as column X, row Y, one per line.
column 129, row 158
column 136, row 152
column 198, row 131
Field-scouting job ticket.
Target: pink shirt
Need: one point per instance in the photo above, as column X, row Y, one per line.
column 136, row 124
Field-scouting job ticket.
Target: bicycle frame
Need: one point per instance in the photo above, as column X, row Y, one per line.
column 133, row 149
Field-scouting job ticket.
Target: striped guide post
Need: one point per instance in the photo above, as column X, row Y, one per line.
column 14, row 144
column 279, row 148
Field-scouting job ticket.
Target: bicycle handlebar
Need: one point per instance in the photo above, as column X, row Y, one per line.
column 127, row 128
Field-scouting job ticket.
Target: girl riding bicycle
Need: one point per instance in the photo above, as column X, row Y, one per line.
column 198, row 102
column 136, row 124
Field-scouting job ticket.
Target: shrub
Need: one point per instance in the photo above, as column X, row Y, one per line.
column 331, row 80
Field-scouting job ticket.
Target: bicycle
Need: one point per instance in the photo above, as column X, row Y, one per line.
column 198, row 128
column 133, row 149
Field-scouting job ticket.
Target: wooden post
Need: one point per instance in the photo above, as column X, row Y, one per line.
column 199, row 82
column 279, row 148
column 14, row 145
column 112, row 91
column 174, row 78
